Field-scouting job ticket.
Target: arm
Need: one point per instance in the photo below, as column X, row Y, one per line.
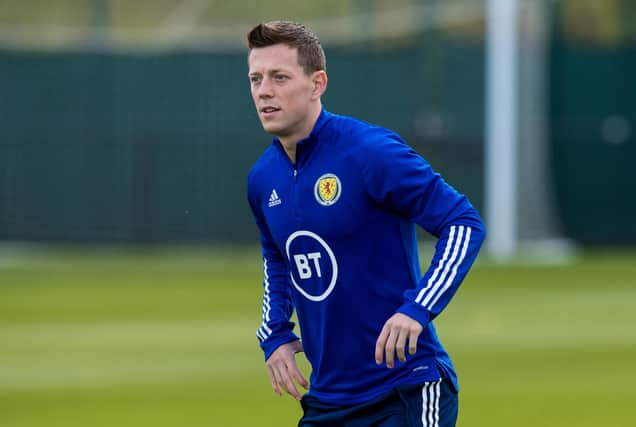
column 400, row 179
column 454, row 254
column 275, row 334
column 276, row 328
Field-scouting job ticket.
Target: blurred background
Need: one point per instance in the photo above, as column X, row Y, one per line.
column 130, row 277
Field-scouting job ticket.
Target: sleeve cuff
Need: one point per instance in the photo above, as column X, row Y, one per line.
column 415, row 311
column 272, row 343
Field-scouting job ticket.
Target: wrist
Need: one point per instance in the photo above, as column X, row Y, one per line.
column 416, row 312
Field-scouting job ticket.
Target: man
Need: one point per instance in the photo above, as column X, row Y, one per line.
column 335, row 200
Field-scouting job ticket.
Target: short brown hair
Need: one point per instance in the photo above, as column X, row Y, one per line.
column 311, row 56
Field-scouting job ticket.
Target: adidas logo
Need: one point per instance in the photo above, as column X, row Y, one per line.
column 274, row 199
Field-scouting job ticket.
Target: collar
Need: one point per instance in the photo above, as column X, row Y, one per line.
column 305, row 146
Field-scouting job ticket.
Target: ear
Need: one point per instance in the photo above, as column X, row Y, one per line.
column 319, row 80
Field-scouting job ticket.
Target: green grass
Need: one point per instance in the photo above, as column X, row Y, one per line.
column 166, row 338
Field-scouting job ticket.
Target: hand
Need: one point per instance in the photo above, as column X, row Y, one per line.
column 393, row 338
column 283, row 371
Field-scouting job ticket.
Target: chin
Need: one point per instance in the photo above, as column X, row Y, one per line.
column 272, row 128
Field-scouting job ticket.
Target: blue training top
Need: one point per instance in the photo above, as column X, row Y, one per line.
column 339, row 246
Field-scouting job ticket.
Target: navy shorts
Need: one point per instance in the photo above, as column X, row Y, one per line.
column 431, row 404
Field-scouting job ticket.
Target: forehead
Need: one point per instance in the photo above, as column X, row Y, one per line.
column 276, row 57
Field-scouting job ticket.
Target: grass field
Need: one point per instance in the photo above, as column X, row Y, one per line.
column 166, row 338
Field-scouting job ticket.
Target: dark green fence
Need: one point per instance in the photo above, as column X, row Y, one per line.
column 116, row 148
column 119, row 148
column 593, row 100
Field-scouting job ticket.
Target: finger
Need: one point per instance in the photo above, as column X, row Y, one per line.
column 290, row 387
column 400, row 346
column 390, row 349
column 298, row 376
column 280, row 373
column 413, row 336
column 272, row 378
column 379, row 345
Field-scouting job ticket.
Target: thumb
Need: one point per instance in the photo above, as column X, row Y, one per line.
column 298, row 347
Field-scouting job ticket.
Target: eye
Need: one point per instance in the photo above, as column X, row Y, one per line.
column 255, row 79
column 281, row 77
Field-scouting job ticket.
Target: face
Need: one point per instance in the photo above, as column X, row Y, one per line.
column 283, row 94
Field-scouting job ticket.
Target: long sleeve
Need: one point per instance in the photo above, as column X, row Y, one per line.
column 398, row 178
column 276, row 328
column 455, row 252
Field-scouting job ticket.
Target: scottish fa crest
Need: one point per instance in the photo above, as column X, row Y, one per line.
column 327, row 189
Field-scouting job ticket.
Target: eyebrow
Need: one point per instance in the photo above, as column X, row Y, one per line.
column 274, row 71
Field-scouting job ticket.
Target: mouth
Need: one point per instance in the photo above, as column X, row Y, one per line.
column 266, row 111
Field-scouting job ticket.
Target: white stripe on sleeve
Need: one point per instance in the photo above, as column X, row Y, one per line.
column 450, row 279
column 266, row 299
column 449, row 245
column 447, row 267
column 264, row 331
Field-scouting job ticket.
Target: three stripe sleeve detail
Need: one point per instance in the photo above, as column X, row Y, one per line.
column 446, row 270
column 264, row 331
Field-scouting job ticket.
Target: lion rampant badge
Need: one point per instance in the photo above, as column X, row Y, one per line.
column 327, row 189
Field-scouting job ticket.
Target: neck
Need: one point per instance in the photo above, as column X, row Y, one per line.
column 290, row 142
column 290, row 150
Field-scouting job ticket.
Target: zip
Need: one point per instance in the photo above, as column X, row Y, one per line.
column 294, row 195
column 295, row 210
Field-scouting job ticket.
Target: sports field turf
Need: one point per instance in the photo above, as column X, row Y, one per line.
column 166, row 338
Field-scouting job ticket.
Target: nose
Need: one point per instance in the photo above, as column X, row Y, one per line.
column 265, row 89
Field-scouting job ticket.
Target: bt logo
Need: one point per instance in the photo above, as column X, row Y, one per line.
column 302, row 264
column 316, row 268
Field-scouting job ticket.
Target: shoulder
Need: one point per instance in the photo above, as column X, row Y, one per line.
column 348, row 126
column 362, row 136
column 364, row 143
column 258, row 173
column 264, row 162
